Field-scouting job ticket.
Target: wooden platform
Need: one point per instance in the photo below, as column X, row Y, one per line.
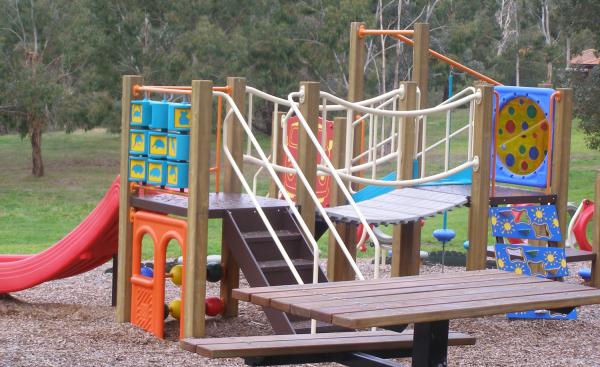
column 573, row 255
column 218, row 203
column 399, row 206
column 301, row 344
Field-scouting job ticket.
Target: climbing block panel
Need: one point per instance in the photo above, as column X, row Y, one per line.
column 141, row 113
column 534, row 222
column 178, row 147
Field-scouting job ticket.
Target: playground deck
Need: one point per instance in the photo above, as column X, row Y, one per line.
column 218, row 203
column 413, row 203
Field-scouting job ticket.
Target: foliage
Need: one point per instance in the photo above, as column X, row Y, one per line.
column 63, row 59
column 587, row 98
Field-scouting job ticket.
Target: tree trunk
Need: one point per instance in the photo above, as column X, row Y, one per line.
column 36, row 149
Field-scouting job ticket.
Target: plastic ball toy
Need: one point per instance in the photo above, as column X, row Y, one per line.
column 175, row 308
column 214, row 271
column 466, row 245
column 147, row 272
column 585, row 273
column 176, row 274
column 214, row 306
column 166, row 311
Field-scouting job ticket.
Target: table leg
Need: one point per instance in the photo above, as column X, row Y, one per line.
column 430, row 344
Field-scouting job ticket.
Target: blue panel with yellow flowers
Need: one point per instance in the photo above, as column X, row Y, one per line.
column 534, row 222
column 547, row 262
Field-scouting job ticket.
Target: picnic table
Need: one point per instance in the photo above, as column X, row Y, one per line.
column 429, row 301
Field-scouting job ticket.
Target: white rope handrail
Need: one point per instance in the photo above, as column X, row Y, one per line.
column 280, row 186
column 410, row 113
column 412, row 182
column 341, row 185
column 284, row 102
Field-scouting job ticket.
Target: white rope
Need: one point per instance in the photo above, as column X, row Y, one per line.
column 340, row 183
column 412, row 182
column 283, row 191
column 411, row 113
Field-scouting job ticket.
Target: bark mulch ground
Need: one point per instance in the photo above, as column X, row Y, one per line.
column 70, row 322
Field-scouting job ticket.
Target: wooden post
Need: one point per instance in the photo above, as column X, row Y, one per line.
column 480, row 186
column 595, row 281
column 232, row 184
column 123, row 309
column 420, row 73
column 561, row 156
column 356, row 76
column 406, row 238
column 197, row 219
column 338, row 267
column 307, row 153
column 276, row 129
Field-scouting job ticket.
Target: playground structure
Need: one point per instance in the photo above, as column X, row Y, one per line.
column 499, row 150
column 319, row 182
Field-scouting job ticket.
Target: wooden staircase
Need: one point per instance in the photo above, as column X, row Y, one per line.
column 263, row 265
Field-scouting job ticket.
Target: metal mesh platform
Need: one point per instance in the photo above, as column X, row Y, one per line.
column 399, row 206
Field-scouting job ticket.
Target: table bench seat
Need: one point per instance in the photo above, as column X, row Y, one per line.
column 301, row 344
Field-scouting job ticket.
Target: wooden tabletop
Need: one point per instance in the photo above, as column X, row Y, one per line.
column 423, row 298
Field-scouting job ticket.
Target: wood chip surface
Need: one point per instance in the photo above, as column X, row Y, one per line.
column 70, row 322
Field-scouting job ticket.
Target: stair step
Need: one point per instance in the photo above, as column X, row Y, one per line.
column 284, row 235
column 273, row 265
column 303, row 327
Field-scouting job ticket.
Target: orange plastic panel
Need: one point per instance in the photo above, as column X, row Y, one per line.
column 148, row 294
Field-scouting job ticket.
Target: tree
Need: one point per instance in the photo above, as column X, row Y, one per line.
column 43, row 46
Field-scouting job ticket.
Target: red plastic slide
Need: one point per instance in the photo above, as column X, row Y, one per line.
column 90, row 244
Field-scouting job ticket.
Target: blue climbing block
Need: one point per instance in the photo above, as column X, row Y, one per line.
column 542, row 315
column 157, row 144
column 137, row 169
column 180, row 117
column 160, row 115
column 178, row 147
column 157, row 172
column 177, row 174
column 444, row 235
column 138, row 142
column 546, row 262
column 141, row 113
column 536, row 222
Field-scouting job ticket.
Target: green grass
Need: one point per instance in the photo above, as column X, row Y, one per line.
column 36, row 212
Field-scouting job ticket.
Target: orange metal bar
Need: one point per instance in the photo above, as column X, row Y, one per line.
column 218, row 147
column 449, row 61
column 362, row 31
column 554, row 97
column 138, row 89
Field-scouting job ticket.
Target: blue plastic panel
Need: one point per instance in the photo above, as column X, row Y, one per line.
column 137, row 169
column 141, row 113
column 138, row 142
column 178, row 147
column 547, row 262
column 160, row 115
column 157, row 144
column 157, row 172
column 541, row 96
column 535, row 222
column 542, row 315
